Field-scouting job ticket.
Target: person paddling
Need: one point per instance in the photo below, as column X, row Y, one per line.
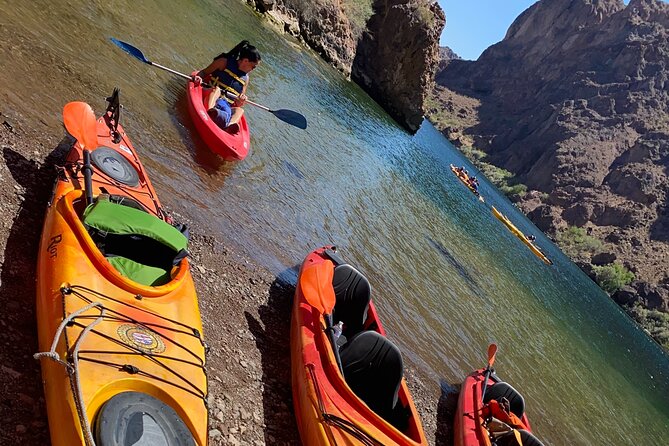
column 229, row 75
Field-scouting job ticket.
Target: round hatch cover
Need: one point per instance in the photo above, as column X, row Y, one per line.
column 134, row 418
column 115, row 165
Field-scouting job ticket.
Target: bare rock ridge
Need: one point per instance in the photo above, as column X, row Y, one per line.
column 574, row 101
column 392, row 54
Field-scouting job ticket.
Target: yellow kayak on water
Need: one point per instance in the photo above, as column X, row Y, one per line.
column 120, row 334
column 518, row 233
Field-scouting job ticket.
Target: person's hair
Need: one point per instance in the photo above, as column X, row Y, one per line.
column 243, row 50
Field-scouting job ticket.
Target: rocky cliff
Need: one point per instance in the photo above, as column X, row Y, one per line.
column 389, row 47
column 574, row 101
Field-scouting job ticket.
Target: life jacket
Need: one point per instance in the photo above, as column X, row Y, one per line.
column 230, row 79
column 496, row 410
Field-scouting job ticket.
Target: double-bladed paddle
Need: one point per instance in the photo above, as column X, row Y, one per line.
column 492, row 351
column 316, row 285
column 288, row 116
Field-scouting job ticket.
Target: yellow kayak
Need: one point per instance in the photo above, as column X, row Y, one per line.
column 518, row 233
column 119, row 326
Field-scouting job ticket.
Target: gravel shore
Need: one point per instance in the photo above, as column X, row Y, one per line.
column 245, row 311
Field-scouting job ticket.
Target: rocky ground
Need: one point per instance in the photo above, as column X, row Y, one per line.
column 245, row 312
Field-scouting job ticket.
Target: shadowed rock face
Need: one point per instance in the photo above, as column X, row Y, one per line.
column 575, row 101
column 397, row 56
column 394, row 59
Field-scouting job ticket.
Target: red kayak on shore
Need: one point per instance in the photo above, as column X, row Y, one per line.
column 356, row 394
column 491, row 412
column 230, row 146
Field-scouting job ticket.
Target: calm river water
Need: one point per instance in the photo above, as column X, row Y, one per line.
column 447, row 276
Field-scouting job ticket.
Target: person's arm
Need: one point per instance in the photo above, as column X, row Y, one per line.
column 217, row 64
column 241, row 100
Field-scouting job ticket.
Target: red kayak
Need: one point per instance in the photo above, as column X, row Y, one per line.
column 230, row 146
column 496, row 417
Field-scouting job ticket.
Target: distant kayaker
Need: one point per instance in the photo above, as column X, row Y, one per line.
column 531, row 237
column 229, row 73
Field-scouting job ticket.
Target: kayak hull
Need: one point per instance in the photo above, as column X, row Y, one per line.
column 320, row 391
column 230, row 146
column 523, row 238
column 464, row 180
column 139, row 323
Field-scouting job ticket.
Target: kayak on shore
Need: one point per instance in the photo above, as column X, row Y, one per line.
column 518, row 233
column 231, row 146
column 356, row 394
column 120, row 334
column 490, row 412
column 465, row 179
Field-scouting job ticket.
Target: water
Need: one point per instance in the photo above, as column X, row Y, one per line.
column 448, row 278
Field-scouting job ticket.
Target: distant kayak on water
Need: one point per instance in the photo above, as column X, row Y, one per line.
column 466, row 180
column 120, row 334
column 518, row 233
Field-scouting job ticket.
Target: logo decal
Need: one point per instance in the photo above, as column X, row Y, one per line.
column 141, row 338
column 125, row 149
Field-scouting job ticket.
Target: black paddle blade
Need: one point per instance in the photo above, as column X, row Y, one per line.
column 133, row 51
column 291, row 117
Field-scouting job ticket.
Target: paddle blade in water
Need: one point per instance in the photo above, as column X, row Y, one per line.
column 133, row 51
column 79, row 120
column 292, row 118
column 316, row 285
column 492, row 351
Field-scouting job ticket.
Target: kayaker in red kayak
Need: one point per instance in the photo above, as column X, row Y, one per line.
column 229, row 74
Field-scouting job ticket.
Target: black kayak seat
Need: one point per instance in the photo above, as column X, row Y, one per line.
column 138, row 419
column 373, row 369
column 509, row 439
column 353, row 294
column 503, row 389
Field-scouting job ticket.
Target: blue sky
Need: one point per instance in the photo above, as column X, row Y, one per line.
column 474, row 25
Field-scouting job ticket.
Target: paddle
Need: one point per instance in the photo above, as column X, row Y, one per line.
column 492, row 351
column 288, row 116
column 316, row 284
column 80, row 122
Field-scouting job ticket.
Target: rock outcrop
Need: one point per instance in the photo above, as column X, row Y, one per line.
column 393, row 55
column 574, row 101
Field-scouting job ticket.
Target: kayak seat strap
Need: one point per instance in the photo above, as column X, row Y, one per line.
column 353, row 293
column 503, row 389
column 373, row 369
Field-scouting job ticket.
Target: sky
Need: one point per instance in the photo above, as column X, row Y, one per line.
column 474, row 25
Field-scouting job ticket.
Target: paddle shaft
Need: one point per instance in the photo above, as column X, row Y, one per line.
column 88, row 176
column 185, row 76
column 485, row 382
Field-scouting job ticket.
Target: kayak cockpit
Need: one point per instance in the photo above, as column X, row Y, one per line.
column 371, row 363
column 140, row 246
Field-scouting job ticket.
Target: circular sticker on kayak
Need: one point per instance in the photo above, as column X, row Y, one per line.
column 141, row 338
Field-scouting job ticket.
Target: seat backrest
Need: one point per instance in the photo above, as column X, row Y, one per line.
column 509, row 439
column 504, row 390
column 132, row 239
column 373, row 369
column 353, row 295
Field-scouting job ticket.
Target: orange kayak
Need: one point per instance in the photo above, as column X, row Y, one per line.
column 464, row 178
column 230, row 146
column 372, row 405
column 118, row 320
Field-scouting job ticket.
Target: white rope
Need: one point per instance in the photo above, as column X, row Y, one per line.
column 73, row 369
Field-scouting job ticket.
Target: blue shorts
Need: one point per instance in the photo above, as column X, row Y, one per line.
column 221, row 113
